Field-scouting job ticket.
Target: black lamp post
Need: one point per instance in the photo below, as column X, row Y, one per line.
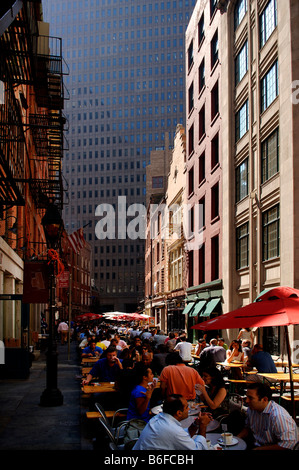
column 53, row 227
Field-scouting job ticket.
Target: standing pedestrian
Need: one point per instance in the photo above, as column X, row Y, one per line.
column 63, row 329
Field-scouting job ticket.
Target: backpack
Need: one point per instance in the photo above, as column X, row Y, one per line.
column 132, row 430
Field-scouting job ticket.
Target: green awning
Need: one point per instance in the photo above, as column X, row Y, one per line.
column 198, row 308
column 210, row 307
column 260, row 294
column 188, row 308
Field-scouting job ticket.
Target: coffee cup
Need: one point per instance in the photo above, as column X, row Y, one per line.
column 227, row 437
column 208, row 443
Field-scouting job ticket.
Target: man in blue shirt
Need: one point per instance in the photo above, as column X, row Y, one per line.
column 105, row 369
column 164, row 431
column 92, row 350
column 263, row 363
column 261, row 360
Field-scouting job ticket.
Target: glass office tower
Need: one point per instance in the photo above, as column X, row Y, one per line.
column 126, row 87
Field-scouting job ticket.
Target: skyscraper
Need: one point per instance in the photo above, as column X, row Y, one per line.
column 126, row 93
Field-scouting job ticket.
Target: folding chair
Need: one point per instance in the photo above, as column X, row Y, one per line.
column 235, row 402
column 102, row 412
column 235, row 416
column 108, row 432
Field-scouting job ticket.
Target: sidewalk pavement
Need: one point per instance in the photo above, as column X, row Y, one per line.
column 25, row 425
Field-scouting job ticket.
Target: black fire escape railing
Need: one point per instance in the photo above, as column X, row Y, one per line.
column 27, row 58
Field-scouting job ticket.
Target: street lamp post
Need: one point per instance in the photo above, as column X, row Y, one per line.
column 53, row 226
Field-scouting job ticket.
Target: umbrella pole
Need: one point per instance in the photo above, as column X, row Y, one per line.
column 290, row 370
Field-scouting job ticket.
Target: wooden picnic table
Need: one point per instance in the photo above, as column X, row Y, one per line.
column 86, row 370
column 89, row 360
column 232, row 364
column 285, row 364
column 281, row 377
column 100, row 387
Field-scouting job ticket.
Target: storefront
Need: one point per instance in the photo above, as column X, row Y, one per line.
column 202, row 302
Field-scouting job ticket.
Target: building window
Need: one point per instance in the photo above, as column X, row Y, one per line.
column 176, row 269
column 201, row 122
column 215, row 258
column 214, row 50
column 271, row 233
column 201, row 30
column 243, row 246
column 270, row 156
column 157, row 182
column 242, row 181
column 191, row 139
column 191, row 181
column 201, row 76
column 213, row 6
column 215, row 201
column 241, row 63
column 191, row 222
column 215, row 151
column 202, row 213
column 201, row 264
column 190, row 55
column 242, row 121
column 201, row 168
column 268, row 21
column 269, row 87
column 191, row 97
column 190, row 267
column 215, row 101
column 240, row 12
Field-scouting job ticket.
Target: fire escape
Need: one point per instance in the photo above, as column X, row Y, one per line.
column 31, row 61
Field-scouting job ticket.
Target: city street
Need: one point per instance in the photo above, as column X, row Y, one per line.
column 25, row 425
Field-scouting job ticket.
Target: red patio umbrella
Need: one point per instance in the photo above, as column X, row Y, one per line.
column 88, row 316
column 133, row 316
column 277, row 307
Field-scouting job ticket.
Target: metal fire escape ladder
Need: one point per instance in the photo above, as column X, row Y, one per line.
column 28, row 58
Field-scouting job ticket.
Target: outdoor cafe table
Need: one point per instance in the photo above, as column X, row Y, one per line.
column 89, row 360
column 85, row 370
column 215, row 437
column 282, row 377
column 212, row 426
column 102, row 387
column 99, row 387
column 285, row 364
column 232, row 364
column 193, row 411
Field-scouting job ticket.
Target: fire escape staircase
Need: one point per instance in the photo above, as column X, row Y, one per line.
column 28, row 58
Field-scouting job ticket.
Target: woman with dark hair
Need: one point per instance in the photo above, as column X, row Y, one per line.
column 213, row 393
column 235, row 354
column 139, row 406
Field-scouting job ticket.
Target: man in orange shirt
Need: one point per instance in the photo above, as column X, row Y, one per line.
column 179, row 378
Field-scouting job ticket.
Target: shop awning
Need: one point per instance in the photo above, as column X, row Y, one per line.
column 188, row 308
column 210, row 307
column 198, row 307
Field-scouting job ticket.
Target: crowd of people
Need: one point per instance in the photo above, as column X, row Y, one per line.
column 135, row 358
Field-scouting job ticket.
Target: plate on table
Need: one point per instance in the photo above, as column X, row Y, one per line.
column 194, row 408
column 233, row 443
